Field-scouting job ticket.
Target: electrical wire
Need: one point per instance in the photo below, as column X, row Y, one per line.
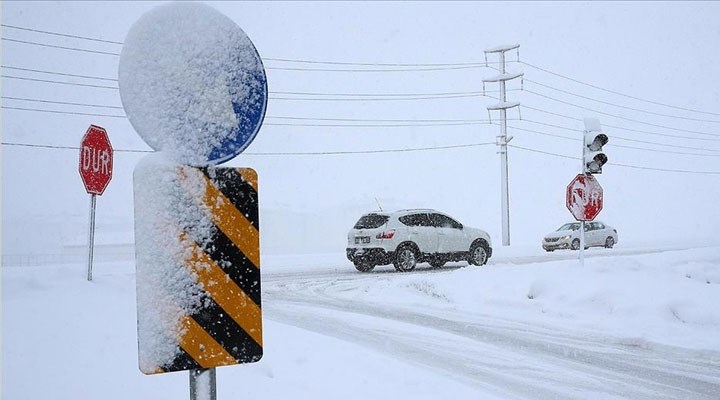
column 619, row 127
column 363, row 96
column 58, row 34
column 622, row 138
column 376, row 97
column 60, row 102
column 616, row 145
column 4, row 107
column 617, row 93
column 60, row 47
column 413, row 69
column 458, row 64
column 620, row 106
column 59, row 82
column 281, row 153
column 400, row 123
column 616, row 164
column 621, row 117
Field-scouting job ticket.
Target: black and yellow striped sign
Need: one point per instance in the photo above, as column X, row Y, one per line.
column 223, row 258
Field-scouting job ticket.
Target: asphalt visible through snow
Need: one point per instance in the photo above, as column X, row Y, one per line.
column 501, row 357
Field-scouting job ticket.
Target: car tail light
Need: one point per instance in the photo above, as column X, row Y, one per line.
column 385, row 235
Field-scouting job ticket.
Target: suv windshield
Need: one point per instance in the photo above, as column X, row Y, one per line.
column 569, row 227
column 371, row 221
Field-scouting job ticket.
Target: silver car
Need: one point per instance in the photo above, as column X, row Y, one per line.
column 597, row 234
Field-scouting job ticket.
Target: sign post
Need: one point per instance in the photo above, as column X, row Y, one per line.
column 95, row 166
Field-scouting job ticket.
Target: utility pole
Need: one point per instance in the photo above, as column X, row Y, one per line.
column 502, row 139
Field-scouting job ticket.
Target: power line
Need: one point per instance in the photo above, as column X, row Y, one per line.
column 374, row 151
column 364, row 96
column 59, row 73
column 61, row 102
column 409, row 67
column 621, row 117
column 617, row 93
column 618, row 164
column 62, row 112
column 375, row 125
column 47, row 146
column 617, row 145
column 481, row 121
column 280, row 153
column 399, row 123
column 377, row 98
column 61, row 47
column 433, row 65
column 620, row 106
column 417, row 69
column 59, row 82
column 621, row 128
column 466, row 64
column 289, row 60
column 58, row 34
column 621, row 138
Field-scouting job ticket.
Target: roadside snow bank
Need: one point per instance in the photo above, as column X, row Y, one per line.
column 668, row 298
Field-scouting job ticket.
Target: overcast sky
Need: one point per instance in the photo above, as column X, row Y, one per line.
column 646, row 70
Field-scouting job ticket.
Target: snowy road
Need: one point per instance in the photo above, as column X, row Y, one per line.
column 505, row 357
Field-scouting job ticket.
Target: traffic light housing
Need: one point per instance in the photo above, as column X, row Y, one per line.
column 593, row 156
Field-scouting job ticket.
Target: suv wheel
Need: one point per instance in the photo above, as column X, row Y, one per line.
column 364, row 266
column 478, row 254
column 405, row 258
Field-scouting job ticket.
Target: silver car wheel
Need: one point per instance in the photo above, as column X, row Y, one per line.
column 609, row 242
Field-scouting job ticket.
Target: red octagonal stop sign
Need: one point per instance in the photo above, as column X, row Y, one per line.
column 96, row 160
column 584, row 198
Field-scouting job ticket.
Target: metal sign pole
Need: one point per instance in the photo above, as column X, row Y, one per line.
column 582, row 243
column 584, row 197
column 91, row 236
column 203, row 384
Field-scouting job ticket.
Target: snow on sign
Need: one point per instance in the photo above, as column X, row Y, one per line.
column 193, row 86
column 198, row 266
column 584, row 197
column 192, row 83
column 96, row 160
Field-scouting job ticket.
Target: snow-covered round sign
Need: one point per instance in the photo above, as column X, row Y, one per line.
column 192, row 84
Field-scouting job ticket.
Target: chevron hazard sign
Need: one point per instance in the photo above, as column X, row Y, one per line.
column 198, row 266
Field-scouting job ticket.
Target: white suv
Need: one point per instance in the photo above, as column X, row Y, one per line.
column 407, row 237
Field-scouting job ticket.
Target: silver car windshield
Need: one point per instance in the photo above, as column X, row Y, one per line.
column 573, row 226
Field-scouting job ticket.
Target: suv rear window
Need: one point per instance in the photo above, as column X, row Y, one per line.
column 371, row 221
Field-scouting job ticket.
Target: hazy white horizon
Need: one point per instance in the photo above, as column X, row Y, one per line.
column 659, row 52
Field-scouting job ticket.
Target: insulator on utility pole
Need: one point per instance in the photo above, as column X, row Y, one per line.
column 502, row 139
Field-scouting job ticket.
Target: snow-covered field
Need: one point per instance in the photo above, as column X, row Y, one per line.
column 631, row 323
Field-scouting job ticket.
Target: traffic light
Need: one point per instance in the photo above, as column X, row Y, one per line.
column 593, row 156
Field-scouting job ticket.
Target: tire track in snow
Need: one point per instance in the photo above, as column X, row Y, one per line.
column 499, row 356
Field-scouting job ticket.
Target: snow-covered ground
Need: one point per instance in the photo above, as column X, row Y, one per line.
column 632, row 323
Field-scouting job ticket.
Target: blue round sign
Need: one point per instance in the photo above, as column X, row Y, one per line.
column 192, row 83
